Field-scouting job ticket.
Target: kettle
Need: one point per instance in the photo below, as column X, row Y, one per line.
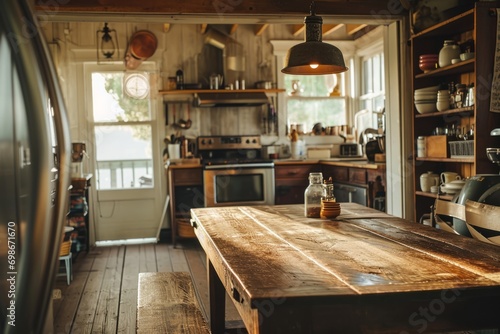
column 371, row 148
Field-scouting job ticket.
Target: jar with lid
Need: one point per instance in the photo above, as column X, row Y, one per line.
column 421, row 147
column 460, row 95
column 312, row 195
column 449, row 51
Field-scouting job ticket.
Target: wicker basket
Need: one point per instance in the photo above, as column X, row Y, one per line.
column 184, row 229
column 65, row 248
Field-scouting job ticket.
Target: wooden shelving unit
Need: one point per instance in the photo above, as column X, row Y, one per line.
column 219, row 91
column 479, row 25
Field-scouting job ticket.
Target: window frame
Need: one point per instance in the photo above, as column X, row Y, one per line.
column 280, row 48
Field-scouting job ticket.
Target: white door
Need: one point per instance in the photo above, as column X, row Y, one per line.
column 124, row 158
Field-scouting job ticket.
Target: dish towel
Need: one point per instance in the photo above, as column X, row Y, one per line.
column 495, row 85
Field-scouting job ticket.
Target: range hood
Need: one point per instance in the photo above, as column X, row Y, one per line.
column 230, row 99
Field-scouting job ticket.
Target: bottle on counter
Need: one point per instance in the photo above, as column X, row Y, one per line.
column 179, row 78
column 313, row 194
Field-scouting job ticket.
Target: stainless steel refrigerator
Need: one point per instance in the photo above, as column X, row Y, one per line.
column 34, row 172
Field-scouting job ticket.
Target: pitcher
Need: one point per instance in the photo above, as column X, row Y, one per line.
column 447, row 177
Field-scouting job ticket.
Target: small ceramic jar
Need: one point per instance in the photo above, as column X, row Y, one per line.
column 427, row 180
column 449, row 51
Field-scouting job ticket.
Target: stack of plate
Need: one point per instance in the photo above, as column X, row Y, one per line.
column 329, row 209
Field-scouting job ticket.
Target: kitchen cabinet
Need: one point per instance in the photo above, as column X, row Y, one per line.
column 291, row 180
column 78, row 216
column 479, row 25
column 358, row 183
column 186, row 192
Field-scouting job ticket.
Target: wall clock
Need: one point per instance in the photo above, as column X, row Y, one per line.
column 136, row 85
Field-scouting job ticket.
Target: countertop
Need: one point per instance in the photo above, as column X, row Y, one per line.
column 195, row 163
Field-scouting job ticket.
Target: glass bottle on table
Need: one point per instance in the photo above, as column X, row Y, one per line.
column 313, row 194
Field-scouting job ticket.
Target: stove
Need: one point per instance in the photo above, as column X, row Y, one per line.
column 231, row 150
column 235, row 172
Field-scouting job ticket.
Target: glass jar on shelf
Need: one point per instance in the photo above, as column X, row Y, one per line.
column 313, row 194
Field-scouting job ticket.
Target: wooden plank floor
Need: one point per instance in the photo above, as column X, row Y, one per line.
column 102, row 298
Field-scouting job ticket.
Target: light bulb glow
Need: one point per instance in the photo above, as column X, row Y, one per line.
column 313, row 66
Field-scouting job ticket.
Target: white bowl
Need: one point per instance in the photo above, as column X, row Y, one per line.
column 425, row 108
column 467, row 56
column 456, row 61
column 427, row 89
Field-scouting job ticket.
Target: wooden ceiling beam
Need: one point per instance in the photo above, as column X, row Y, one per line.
column 221, row 9
column 297, row 29
column 203, row 28
column 330, row 28
column 233, row 29
column 260, row 28
column 351, row 29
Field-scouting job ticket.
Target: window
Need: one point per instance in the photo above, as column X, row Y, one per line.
column 122, row 130
column 372, row 78
column 315, row 99
column 372, row 93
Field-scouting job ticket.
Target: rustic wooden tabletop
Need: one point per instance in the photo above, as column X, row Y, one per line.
column 364, row 271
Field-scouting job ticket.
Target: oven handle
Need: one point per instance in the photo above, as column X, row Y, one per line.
column 244, row 165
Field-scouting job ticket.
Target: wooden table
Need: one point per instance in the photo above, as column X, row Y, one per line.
column 364, row 272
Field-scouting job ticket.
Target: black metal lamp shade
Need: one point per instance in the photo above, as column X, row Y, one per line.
column 313, row 57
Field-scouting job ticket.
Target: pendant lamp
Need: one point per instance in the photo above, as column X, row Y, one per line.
column 106, row 46
column 313, row 57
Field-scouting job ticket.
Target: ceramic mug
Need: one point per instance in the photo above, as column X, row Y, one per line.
column 447, row 177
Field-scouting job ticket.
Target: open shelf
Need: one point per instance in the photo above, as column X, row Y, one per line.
column 467, row 111
column 431, row 195
column 219, row 91
column 451, row 160
column 461, row 67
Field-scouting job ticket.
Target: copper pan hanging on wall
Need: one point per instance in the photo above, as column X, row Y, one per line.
column 141, row 46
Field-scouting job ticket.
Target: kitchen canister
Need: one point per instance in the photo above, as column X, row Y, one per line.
column 427, row 180
column 449, row 51
column 421, row 147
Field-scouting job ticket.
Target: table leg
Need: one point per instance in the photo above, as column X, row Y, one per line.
column 217, row 297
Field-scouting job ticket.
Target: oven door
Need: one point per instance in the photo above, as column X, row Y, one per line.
column 239, row 184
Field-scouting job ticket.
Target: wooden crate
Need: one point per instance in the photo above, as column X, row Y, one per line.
column 436, row 146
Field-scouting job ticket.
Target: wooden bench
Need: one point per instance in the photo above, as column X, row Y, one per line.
column 167, row 304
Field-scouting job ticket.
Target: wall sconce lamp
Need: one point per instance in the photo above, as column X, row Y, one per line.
column 106, row 46
column 313, row 57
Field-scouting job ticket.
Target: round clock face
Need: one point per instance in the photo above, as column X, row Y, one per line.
column 136, row 85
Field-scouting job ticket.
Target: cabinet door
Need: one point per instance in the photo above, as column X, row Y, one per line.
column 291, row 181
column 289, row 194
column 357, row 176
column 337, row 173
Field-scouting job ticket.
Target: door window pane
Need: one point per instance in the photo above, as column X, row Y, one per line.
column 124, row 156
column 123, row 134
column 111, row 104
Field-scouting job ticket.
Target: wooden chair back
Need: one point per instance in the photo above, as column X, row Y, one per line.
column 483, row 221
column 449, row 209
